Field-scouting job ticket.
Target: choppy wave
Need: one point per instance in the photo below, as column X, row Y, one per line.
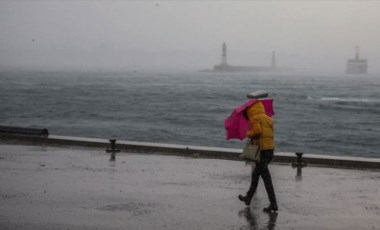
column 348, row 99
column 312, row 116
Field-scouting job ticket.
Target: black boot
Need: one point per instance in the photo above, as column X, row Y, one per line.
column 245, row 199
column 271, row 208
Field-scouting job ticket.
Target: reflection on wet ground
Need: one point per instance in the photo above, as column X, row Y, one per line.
column 252, row 219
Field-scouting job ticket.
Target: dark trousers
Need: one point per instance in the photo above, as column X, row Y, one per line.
column 262, row 170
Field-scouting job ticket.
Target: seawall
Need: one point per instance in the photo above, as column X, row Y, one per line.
column 189, row 150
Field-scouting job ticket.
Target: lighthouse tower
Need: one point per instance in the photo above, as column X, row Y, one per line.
column 224, row 55
column 273, row 60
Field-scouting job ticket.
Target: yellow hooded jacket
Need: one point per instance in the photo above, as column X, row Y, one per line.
column 260, row 125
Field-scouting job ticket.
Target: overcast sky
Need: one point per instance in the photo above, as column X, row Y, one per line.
column 127, row 35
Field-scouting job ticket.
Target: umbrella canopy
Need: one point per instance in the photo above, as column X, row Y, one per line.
column 237, row 125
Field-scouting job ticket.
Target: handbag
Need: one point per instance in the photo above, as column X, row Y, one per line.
column 251, row 152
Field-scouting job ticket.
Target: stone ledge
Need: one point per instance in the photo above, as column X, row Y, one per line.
column 190, row 151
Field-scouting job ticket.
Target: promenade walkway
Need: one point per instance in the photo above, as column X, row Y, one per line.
column 79, row 188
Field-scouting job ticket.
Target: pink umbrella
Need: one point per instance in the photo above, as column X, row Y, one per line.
column 237, row 125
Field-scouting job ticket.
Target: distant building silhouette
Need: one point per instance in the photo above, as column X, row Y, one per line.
column 357, row 65
column 225, row 67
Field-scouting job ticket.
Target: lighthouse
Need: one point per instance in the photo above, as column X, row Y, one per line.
column 273, row 60
column 224, row 55
column 225, row 67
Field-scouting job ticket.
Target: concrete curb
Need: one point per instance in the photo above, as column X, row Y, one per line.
column 190, row 151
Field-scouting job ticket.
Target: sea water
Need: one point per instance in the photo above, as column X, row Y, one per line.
column 315, row 113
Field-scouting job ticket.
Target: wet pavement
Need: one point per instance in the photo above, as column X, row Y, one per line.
column 79, row 188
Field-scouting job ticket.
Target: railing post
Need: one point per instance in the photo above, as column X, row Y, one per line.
column 299, row 165
column 113, row 149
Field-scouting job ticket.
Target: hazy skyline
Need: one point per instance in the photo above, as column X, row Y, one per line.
column 127, row 35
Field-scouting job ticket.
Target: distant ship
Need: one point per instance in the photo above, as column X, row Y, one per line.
column 357, row 65
column 225, row 67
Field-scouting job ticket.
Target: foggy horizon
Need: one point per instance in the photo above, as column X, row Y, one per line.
column 186, row 35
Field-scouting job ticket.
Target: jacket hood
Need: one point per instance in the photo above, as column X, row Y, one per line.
column 257, row 108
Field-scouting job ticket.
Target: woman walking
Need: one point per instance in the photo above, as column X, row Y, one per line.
column 261, row 132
